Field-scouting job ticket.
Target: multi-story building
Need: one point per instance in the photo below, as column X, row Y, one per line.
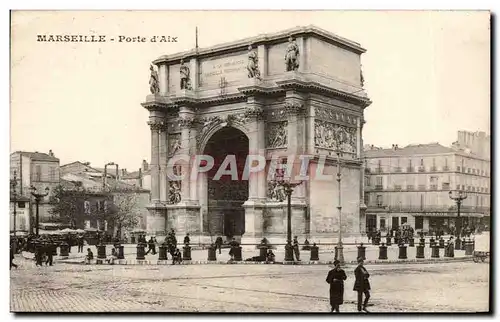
column 94, row 200
column 411, row 185
column 141, row 178
column 40, row 170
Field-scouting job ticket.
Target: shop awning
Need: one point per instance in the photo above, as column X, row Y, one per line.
column 448, row 214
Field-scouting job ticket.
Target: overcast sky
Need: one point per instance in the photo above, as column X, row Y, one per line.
column 427, row 73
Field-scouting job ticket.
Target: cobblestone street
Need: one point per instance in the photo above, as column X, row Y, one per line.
column 444, row 287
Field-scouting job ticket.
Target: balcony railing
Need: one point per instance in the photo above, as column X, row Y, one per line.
column 446, row 168
column 409, row 169
column 434, row 187
column 410, row 187
column 398, row 169
column 422, row 187
column 379, row 170
column 446, row 186
column 433, row 169
column 421, row 169
column 397, row 187
column 379, row 187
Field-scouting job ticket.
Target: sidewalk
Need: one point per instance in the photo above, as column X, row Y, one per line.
column 325, row 256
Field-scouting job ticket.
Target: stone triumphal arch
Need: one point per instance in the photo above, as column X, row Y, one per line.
column 285, row 95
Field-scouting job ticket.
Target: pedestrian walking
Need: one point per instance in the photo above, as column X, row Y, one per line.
column 89, row 257
column 336, row 278
column 152, row 246
column 296, row 249
column 81, row 242
column 12, row 264
column 362, row 285
column 176, row 257
column 49, row 249
column 218, row 243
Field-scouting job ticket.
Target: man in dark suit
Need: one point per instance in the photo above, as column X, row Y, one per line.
column 362, row 285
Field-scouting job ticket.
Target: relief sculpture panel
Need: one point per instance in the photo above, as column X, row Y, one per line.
column 335, row 136
column 276, row 134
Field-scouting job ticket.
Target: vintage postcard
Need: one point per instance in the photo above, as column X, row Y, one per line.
column 250, row 161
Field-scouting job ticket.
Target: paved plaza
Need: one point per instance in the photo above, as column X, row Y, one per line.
column 436, row 287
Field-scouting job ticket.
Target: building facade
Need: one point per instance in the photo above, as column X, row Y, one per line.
column 411, row 185
column 95, row 201
column 141, row 178
column 297, row 92
column 40, row 170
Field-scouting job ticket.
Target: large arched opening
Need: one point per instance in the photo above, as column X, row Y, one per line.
column 225, row 196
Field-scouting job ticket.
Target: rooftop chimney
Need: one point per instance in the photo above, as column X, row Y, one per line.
column 51, row 153
column 124, row 172
column 145, row 165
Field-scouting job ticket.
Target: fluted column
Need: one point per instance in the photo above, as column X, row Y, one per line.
column 163, row 138
column 155, row 125
column 295, row 109
column 257, row 148
column 186, row 122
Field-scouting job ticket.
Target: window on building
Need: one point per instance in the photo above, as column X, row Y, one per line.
column 419, row 222
column 404, row 220
column 378, row 182
column 421, row 201
column 21, row 204
column 38, row 173
column 52, row 174
column 446, row 164
column 458, row 187
column 446, row 186
column 382, row 223
column 367, row 199
column 463, row 187
column 380, row 201
column 367, row 181
column 421, row 162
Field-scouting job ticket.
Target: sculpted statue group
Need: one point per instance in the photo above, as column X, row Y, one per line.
column 174, row 193
column 153, row 81
column 185, row 77
column 253, row 64
column 277, row 135
column 292, row 55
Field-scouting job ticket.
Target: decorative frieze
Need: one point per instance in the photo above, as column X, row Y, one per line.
column 186, row 122
column 335, row 136
column 276, row 115
column 276, row 134
column 328, row 114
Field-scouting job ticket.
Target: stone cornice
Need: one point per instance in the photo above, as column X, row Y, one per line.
column 309, row 86
column 242, row 44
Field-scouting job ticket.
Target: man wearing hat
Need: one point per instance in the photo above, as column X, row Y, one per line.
column 362, row 285
column 336, row 278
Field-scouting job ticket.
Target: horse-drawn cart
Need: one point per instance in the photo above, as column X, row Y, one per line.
column 480, row 256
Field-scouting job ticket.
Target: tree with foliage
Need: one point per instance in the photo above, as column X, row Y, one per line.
column 124, row 212
column 65, row 205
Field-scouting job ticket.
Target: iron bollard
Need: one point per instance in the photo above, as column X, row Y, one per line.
column 412, row 242
column 186, row 253
column 101, row 251
column 361, row 251
column 441, row 243
column 431, row 243
column 469, row 248
column 377, row 241
column 435, row 251
column 462, row 247
column 422, row 241
column 420, row 251
column 262, row 252
column 314, row 253
column 457, row 244
column 402, row 252
column 211, row 253
column 382, row 254
column 141, row 252
column 162, row 252
column 121, row 254
column 54, row 249
column 64, row 249
column 237, row 253
column 388, row 240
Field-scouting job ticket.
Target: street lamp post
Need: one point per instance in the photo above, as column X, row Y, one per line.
column 288, row 187
column 14, row 186
column 340, row 139
column 38, row 197
column 458, row 196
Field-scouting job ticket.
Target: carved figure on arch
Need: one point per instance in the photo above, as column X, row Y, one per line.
column 292, row 55
column 153, row 81
column 185, row 76
column 174, row 193
column 253, row 64
column 277, row 135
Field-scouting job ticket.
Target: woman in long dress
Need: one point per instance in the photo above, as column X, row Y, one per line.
column 336, row 278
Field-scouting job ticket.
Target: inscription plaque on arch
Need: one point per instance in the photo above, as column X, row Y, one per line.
column 232, row 68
